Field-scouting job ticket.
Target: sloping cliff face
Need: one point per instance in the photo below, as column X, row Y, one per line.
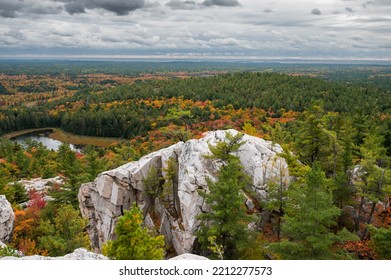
column 174, row 214
column 7, row 218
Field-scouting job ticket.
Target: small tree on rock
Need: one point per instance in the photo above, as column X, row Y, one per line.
column 227, row 222
column 134, row 241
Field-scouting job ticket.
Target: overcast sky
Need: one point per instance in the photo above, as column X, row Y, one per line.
column 319, row 29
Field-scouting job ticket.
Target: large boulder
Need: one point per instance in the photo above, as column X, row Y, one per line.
column 175, row 217
column 7, row 218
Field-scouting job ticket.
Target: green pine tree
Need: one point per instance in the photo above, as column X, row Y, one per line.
column 375, row 176
column 381, row 241
column 310, row 214
column 134, row 241
column 63, row 234
column 94, row 164
column 312, row 142
column 75, row 175
column 227, row 222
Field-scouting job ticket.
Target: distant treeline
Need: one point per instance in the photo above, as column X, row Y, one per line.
column 131, row 110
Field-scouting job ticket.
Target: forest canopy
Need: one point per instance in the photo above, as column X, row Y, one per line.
column 334, row 120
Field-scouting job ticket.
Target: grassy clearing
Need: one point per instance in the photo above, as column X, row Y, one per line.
column 69, row 138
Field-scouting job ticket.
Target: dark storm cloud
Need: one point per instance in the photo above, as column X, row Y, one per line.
column 316, row 11
column 224, row 3
column 16, row 8
column 9, row 8
column 119, row 7
column 41, row 10
column 182, row 5
column 74, row 8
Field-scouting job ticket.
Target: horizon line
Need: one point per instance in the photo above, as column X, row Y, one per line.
column 197, row 58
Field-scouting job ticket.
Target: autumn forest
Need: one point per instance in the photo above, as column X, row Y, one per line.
column 332, row 121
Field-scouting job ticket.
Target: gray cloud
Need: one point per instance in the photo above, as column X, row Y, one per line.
column 356, row 37
column 16, row 34
column 224, row 3
column 12, row 37
column 316, row 11
column 12, row 9
column 350, row 10
column 182, row 5
column 284, row 28
column 9, row 9
column 366, row 4
column 119, row 7
column 42, row 10
column 74, row 8
column 191, row 5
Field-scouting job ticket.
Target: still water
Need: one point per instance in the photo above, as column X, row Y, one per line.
column 43, row 137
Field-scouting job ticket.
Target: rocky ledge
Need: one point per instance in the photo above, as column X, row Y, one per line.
column 114, row 191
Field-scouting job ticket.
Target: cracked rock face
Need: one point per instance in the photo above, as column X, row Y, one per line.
column 7, row 218
column 175, row 214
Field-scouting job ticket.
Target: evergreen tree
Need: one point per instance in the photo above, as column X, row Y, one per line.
column 227, row 222
column 94, row 164
column 16, row 193
column 277, row 194
column 72, row 168
column 374, row 174
column 224, row 149
column 153, row 184
column 312, row 142
column 381, row 241
column 64, row 234
column 170, row 188
column 134, row 241
column 343, row 190
column 310, row 214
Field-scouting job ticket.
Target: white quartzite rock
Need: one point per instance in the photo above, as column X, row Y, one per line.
column 114, row 191
column 78, row 254
column 188, row 256
column 7, row 218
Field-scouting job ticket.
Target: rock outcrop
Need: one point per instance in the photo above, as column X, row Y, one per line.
column 78, row 254
column 42, row 186
column 187, row 256
column 7, row 218
column 175, row 214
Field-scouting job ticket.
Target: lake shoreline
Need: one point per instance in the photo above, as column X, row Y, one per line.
column 66, row 137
